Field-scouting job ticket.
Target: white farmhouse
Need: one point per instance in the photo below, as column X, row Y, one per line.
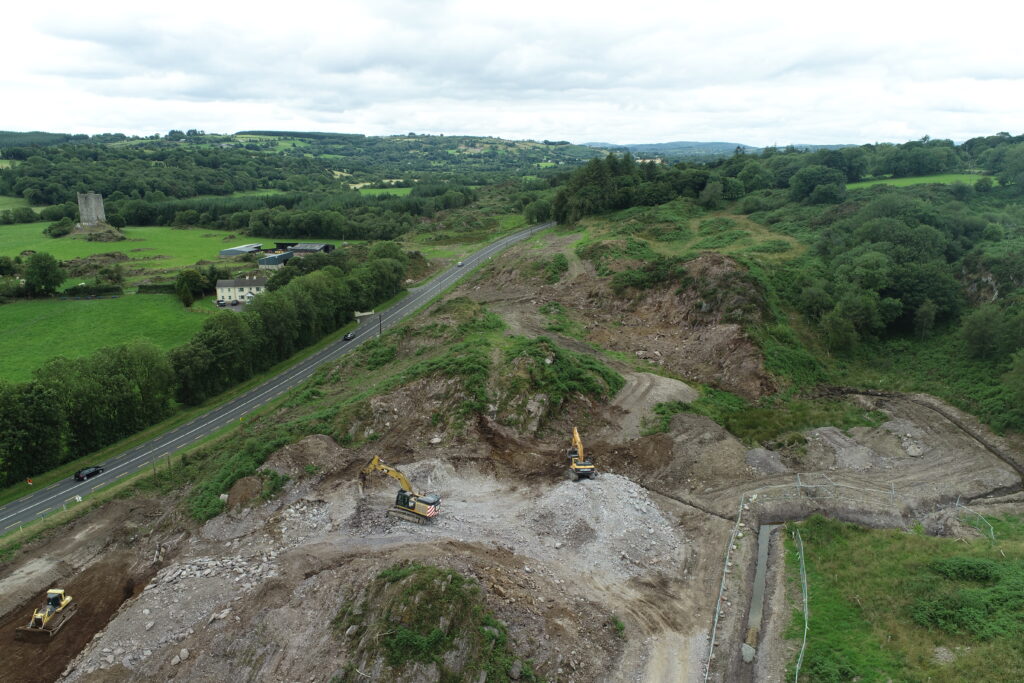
column 240, row 290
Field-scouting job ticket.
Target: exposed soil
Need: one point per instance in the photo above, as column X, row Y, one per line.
column 611, row 579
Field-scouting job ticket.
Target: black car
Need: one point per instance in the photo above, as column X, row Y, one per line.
column 82, row 475
column 349, row 336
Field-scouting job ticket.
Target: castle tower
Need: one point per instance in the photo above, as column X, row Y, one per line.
column 90, row 210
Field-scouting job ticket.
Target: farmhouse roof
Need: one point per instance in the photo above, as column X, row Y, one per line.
column 244, row 282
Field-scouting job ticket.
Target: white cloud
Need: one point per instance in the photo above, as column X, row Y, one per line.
column 645, row 71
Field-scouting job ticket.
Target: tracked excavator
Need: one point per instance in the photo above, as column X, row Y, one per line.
column 45, row 622
column 409, row 505
column 579, row 466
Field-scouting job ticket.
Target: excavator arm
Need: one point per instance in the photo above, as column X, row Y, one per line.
column 376, row 465
column 577, row 443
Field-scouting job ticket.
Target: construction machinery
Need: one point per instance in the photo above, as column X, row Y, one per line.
column 409, row 505
column 579, row 466
column 45, row 622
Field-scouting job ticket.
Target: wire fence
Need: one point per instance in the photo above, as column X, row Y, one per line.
column 816, row 488
column 807, row 488
column 721, row 589
column 807, row 614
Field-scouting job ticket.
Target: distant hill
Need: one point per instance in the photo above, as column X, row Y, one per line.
column 692, row 149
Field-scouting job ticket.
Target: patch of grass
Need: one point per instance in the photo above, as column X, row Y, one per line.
column 944, row 178
column 771, row 418
column 559, row 321
column 658, row 270
column 558, row 372
column 377, row 191
column 881, row 601
column 13, row 202
column 721, row 239
column 273, row 482
column 419, row 613
column 770, row 247
column 78, row 328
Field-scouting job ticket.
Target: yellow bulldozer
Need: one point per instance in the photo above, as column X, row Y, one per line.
column 579, row 466
column 45, row 622
column 409, row 505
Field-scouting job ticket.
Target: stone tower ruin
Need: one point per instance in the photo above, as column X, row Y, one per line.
column 90, row 210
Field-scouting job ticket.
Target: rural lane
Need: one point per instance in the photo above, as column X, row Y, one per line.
column 60, row 493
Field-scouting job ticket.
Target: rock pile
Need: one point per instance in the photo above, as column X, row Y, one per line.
column 612, row 519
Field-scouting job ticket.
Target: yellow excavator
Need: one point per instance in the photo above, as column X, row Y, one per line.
column 409, row 505
column 579, row 466
column 45, row 622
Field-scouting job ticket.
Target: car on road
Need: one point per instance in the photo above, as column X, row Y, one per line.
column 459, row 264
column 234, row 302
column 222, row 303
column 349, row 336
column 83, row 474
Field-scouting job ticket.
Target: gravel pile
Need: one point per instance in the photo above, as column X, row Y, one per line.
column 610, row 520
column 180, row 600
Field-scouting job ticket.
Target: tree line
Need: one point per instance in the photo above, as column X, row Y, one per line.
column 73, row 407
column 810, row 177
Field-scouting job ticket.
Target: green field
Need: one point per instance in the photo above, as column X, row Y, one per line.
column 31, row 332
column 148, row 249
column 12, row 203
column 6, row 163
column 373, row 191
column 945, row 178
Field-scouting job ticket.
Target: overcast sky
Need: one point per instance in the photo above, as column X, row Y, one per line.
column 636, row 71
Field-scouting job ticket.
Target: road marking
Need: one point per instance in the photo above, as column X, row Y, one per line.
column 96, row 486
column 51, row 486
column 10, row 525
column 43, row 512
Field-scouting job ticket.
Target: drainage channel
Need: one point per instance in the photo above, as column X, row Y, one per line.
column 756, row 613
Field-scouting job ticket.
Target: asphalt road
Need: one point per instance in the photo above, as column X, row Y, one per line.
column 64, row 492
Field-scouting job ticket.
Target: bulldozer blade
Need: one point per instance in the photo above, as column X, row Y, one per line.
column 29, row 634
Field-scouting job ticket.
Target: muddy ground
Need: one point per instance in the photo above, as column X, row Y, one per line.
column 249, row 596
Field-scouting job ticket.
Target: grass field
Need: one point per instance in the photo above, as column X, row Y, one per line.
column 6, row 163
column 399, row 191
column 148, row 249
column 13, row 203
column 945, row 178
column 882, row 601
column 32, row 332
